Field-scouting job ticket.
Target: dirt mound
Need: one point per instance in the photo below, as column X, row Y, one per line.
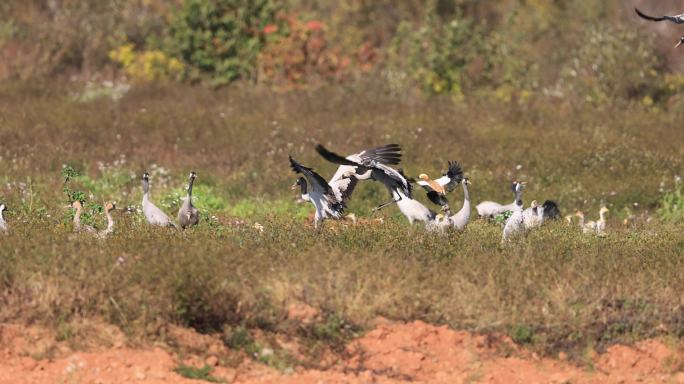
column 392, row 353
column 421, row 353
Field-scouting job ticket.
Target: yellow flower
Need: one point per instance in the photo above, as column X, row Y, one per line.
column 146, row 65
column 647, row 101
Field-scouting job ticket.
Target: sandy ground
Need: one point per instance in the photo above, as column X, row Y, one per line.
column 391, row 353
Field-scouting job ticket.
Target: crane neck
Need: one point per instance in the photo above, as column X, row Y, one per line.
column 303, row 187
column 190, row 183
column 466, row 194
column 77, row 218
column 518, row 198
column 110, row 220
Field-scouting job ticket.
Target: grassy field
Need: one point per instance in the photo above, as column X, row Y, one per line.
column 554, row 289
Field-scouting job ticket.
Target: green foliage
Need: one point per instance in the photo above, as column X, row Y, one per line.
column 113, row 179
column 615, row 63
column 332, row 330
column 220, row 39
column 672, row 205
column 522, row 334
column 191, row 372
column 502, row 217
column 437, row 54
column 69, row 172
column 239, row 338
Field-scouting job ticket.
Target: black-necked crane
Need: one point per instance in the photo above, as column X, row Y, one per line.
column 515, row 223
column 491, row 208
column 343, row 184
column 394, row 180
column 318, row 192
column 188, row 215
column 677, row 19
column 3, row 223
column 153, row 214
column 533, row 216
column 461, row 218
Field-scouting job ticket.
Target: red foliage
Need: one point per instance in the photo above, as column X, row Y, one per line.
column 314, row 25
column 270, row 28
column 299, row 53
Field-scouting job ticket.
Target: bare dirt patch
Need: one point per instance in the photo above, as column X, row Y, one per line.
column 416, row 352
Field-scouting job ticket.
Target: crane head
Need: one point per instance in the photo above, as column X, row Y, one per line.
column 300, row 181
column 680, row 42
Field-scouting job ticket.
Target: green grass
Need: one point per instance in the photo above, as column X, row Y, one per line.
column 554, row 289
column 203, row 373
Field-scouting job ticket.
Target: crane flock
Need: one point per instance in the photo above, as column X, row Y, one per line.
column 330, row 198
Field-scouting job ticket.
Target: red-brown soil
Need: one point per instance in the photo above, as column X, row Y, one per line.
column 391, row 353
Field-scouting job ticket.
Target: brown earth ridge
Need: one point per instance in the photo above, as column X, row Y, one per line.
column 391, row 353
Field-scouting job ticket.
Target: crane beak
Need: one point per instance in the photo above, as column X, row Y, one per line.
column 678, row 44
column 294, row 186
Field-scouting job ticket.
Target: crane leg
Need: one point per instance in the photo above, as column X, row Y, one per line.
column 381, row 206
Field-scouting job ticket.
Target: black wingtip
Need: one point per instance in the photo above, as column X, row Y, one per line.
column 389, row 154
column 294, row 165
column 455, row 171
column 647, row 17
column 333, row 157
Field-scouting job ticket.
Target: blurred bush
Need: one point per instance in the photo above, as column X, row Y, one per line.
column 615, row 64
column 439, row 54
column 299, row 53
column 511, row 50
column 219, row 39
